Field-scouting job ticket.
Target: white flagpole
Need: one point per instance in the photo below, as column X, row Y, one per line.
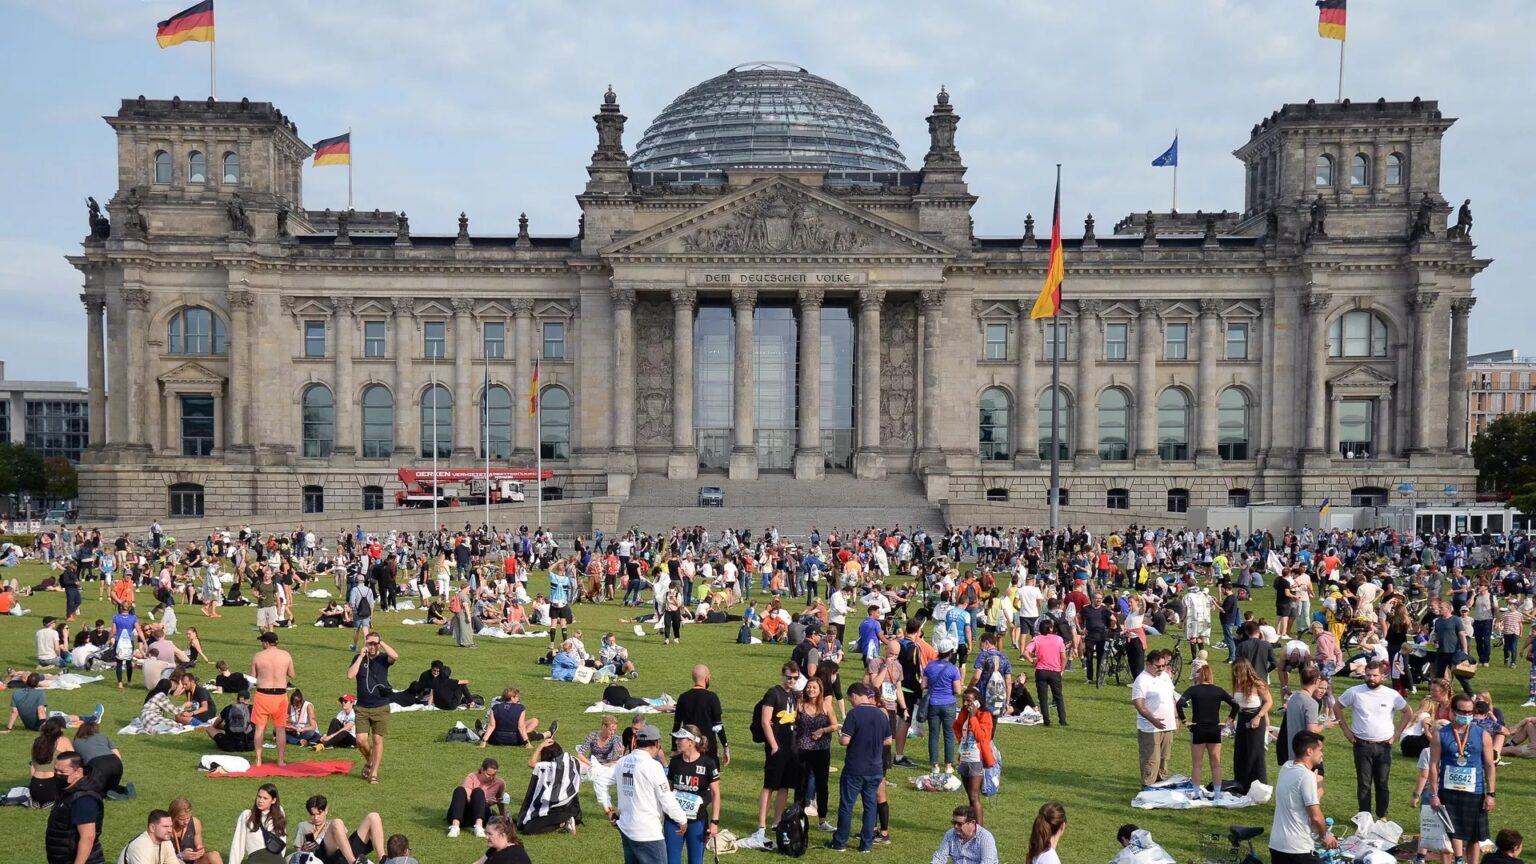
column 1341, row 71
column 349, row 168
column 538, row 449
column 437, row 483
column 1175, row 170
column 213, row 67
column 485, row 423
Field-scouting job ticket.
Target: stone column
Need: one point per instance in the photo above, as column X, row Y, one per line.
column 1089, row 336
column 1260, row 350
column 136, row 300
column 868, row 461
column 683, row 461
column 1381, row 448
column 1423, row 305
column 1316, row 305
column 96, row 370
column 1461, row 309
column 810, row 463
column 1335, row 401
column 744, row 447
column 1026, row 452
column 932, row 305
column 1205, row 404
column 241, row 339
column 465, row 430
column 623, row 370
column 407, row 414
column 522, row 311
column 348, row 432
column 1148, row 332
column 116, row 428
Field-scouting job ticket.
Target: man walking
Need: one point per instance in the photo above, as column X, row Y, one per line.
column 866, row 732
column 362, row 599
column 1372, row 730
column 370, row 670
column 73, row 835
column 272, row 667
column 1153, row 695
column 644, row 797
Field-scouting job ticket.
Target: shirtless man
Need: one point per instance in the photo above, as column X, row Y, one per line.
column 272, row 667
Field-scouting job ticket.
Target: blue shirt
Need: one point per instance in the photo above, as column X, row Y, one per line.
column 941, row 675
column 999, row 660
column 958, row 621
column 869, row 635
column 980, row 849
column 559, row 585
column 867, row 727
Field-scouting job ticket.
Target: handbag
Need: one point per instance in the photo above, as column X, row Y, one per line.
column 1465, row 669
column 920, row 712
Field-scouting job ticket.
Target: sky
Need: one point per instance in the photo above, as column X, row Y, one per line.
column 486, row 107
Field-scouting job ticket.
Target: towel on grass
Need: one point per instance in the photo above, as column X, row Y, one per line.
column 1178, row 793
column 496, row 633
column 69, row 681
column 135, row 729
column 318, row 594
column 396, row 709
column 661, row 704
column 411, row 621
column 1030, row 717
column 292, row 769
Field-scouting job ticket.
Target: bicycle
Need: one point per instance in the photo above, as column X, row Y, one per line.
column 1176, row 662
column 1228, row 849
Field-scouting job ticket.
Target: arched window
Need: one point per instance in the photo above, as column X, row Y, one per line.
column 1178, row 500
column 197, row 168
column 1063, row 425
column 1173, row 425
column 496, row 415
column 1114, row 425
column 1359, row 170
column 232, row 168
column 555, row 423
column 1232, row 424
column 1357, row 334
column 164, row 173
column 186, row 499
column 1395, row 169
column 378, row 422
column 994, row 425
column 319, row 411
column 1324, row 171
column 195, row 330
column 437, row 422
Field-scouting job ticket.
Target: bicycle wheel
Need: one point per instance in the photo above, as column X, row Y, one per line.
column 1117, row 666
column 1175, row 666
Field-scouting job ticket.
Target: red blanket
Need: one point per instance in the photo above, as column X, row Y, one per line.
column 293, row 769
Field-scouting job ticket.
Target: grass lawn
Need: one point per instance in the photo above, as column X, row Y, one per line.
column 1091, row 767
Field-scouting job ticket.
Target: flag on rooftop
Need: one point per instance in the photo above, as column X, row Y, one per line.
column 1330, row 18
column 334, row 151
column 192, row 24
column 1170, row 156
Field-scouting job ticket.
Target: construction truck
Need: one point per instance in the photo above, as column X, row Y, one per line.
column 460, row 487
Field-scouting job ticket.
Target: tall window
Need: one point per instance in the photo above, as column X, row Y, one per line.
column 1173, row 425
column 434, row 339
column 1232, row 424
column 1056, row 339
column 1324, row 171
column 554, row 340
column 995, row 421
column 1117, row 499
column 373, row 338
column 373, row 497
column 495, row 340
column 497, row 406
column 1114, row 425
column 1117, row 339
column 314, row 338
column 555, row 423
column 1359, row 170
column 314, row 499
column 1178, row 500
column 1063, row 425
column 319, row 412
column 996, row 347
column 186, row 500
column 378, row 422
column 232, row 168
column 1395, row 169
column 5, row 420
column 437, row 422
column 1357, row 334
column 197, row 425
column 197, row 168
column 195, row 330
column 1237, row 341
column 54, row 427
column 164, row 172
column 1355, row 427
column 1176, row 342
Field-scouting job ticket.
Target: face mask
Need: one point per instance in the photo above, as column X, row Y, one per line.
column 1463, row 719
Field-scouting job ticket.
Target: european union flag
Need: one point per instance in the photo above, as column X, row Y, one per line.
column 1170, row 156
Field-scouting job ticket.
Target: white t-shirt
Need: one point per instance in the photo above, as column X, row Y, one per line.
column 1029, row 601
column 1161, row 701
column 48, row 643
column 1049, row 856
column 1295, row 791
column 1373, row 711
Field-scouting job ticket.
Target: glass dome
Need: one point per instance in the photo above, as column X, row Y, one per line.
column 768, row 115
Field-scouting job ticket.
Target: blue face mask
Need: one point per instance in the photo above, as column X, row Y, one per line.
column 1463, row 719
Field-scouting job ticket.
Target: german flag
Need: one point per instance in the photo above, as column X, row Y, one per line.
column 1049, row 301
column 334, row 151
column 193, row 24
column 533, row 391
column 1330, row 19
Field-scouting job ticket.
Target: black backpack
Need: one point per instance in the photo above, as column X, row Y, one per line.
column 744, row 635
column 239, row 719
column 792, row 834
column 759, row 734
column 364, row 608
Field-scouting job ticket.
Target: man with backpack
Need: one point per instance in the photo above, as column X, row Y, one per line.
column 362, row 599
column 773, row 725
column 232, row 731
column 994, row 676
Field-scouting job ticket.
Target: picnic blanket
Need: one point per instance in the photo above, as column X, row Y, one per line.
column 396, row 709
column 135, row 729
column 318, row 594
column 497, row 633
column 69, row 681
column 411, row 622
column 1030, row 717
column 1179, row 793
column 661, row 704
column 292, row 769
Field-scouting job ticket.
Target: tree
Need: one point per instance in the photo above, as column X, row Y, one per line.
column 1505, row 455
column 21, row 470
column 62, row 481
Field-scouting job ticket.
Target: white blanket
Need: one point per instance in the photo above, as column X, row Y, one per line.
column 135, row 729
column 1030, row 717
column 231, row 763
column 663, row 704
column 69, row 681
column 318, row 594
column 411, row 621
column 396, row 709
column 497, row 633
column 1178, row 793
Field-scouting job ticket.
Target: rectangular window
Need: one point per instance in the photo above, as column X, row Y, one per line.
column 554, row 340
column 1354, row 427
column 53, row 427
column 186, row 500
column 197, row 425
column 996, row 347
column 1176, row 342
column 314, row 499
column 5, row 420
column 434, row 339
column 1056, row 340
column 495, row 340
column 373, row 338
column 1237, row 341
column 314, row 338
column 1117, row 339
column 1117, row 499
column 373, row 498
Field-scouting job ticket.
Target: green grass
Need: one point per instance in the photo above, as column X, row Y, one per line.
column 1091, row 767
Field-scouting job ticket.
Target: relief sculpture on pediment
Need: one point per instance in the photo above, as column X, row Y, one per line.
column 778, row 222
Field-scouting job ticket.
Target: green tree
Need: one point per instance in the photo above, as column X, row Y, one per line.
column 21, row 470
column 62, row 480
column 1505, row 455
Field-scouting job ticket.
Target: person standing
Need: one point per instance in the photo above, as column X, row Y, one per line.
column 73, row 835
column 1049, row 651
column 1462, row 777
column 1373, row 730
column 865, row 733
column 973, row 728
column 1252, row 727
column 272, row 667
column 370, row 670
column 700, row 706
column 644, row 798
column 1045, row 834
column 1298, row 811
column 266, row 591
column 695, row 779
column 1153, row 695
column 1095, row 621
column 1450, row 635
column 1231, row 616
column 781, row 768
column 1304, row 709
column 941, row 681
column 966, row 842
column 362, row 599
column 1205, row 700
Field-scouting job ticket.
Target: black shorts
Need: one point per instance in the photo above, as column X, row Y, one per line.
column 561, row 613
column 360, row 848
column 1203, row 734
column 781, row 771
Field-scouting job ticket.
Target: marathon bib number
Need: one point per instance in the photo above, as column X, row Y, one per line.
column 969, row 752
column 1459, row 779
column 888, row 691
column 689, row 802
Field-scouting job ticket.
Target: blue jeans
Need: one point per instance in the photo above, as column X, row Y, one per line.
column 1228, row 636
column 694, row 840
column 854, row 787
column 651, row 852
column 941, row 723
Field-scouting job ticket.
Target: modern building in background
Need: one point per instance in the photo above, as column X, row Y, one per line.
column 1498, row 383
column 769, row 285
column 50, row 417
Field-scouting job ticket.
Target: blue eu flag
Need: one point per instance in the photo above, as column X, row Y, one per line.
column 1169, row 157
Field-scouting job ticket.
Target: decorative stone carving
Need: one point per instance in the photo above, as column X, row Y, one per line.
column 1149, row 308
column 1423, row 301
column 941, row 134
column 463, row 225
column 811, row 299
column 1089, row 308
column 686, row 297
column 342, row 305
column 521, row 306
column 1462, row 306
column 244, row 301
column 101, row 227
column 1424, row 220
column 463, row 305
column 289, row 304
column 1266, row 306
column 610, row 130
column 282, row 221
column 403, row 306
column 1088, row 230
column 402, row 226
column 1316, row 302
column 744, row 299
column 136, row 298
column 1029, row 230
column 1209, row 306
column 779, row 222
column 239, row 221
column 134, row 223
column 898, row 369
column 93, row 304
column 1149, row 229
column 343, row 223
column 871, row 296
column 932, row 300
column 1462, row 230
column 653, row 371
column 623, row 298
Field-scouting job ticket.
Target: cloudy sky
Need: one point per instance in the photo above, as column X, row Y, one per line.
column 485, row 106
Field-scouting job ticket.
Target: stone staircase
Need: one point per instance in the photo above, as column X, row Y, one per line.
column 793, row 506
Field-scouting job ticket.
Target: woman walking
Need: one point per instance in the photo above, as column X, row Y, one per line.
column 125, row 635
column 672, row 616
column 695, row 779
column 1253, row 702
column 462, row 623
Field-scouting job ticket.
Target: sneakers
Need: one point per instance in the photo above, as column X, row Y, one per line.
column 478, row 830
column 319, row 748
column 759, row 839
column 882, row 838
column 453, row 830
column 101, row 711
column 1529, row 703
column 810, row 811
column 833, row 847
column 904, row 762
column 826, row 826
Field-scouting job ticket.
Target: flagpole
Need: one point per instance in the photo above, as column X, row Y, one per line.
column 1056, row 350
column 485, row 423
column 437, row 482
column 213, row 68
column 538, row 450
column 349, row 168
column 1175, row 171
column 1341, row 71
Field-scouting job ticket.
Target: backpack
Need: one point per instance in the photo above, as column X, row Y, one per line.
column 759, row 734
column 364, row 608
column 744, row 635
column 995, row 694
column 239, row 719
column 791, row 835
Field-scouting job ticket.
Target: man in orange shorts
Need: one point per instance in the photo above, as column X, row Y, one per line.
column 272, row 667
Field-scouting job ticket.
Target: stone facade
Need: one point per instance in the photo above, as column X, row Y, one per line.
column 1311, row 345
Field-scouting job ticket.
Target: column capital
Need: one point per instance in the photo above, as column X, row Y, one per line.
column 342, row 306
column 871, row 298
column 136, row 298
column 744, row 298
column 403, row 307
column 1423, row 302
column 463, row 305
column 623, row 298
column 685, row 298
column 1461, row 307
column 521, row 306
column 931, row 299
column 1090, row 308
column 1266, row 306
column 1316, row 302
column 244, row 301
column 93, row 303
column 1209, row 307
column 288, row 304
column 810, row 299
column 1149, row 308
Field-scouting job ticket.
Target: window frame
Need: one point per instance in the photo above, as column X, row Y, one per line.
column 311, row 336
column 1395, row 166
column 1169, row 450
column 560, row 342
column 382, row 340
column 1238, row 327
column 1234, row 451
column 179, row 333
column 557, row 447
column 368, row 446
column 500, row 341
column 313, row 499
column 1377, row 337
column 197, row 446
column 373, row 498
column 1182, row 354
column 193, row 158
column 1123, row 454
column 1124, row 342
column 1051, row 343
column 317, row 437
column 1362, row 163
column 489, row 415
column 443, row 418
column 1325, row 164
column 163, row 160
column 1063, row 429
column 995, row 350
column 437, row 342
column 1367, row 419
column 230, row 157
column 1117, row 499
column 180, row 495
column 1178, row 500
column 994, row 433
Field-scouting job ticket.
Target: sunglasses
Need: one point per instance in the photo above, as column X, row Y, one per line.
column 961, row 823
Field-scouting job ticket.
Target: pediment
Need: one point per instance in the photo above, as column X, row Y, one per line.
column 372, row 306
column 553, row 309
column 777, row 217
column 1178, row 309
column 310, row 307
column 191, row 372
column 1241, row 309
column 995, row 309
column 493, row 309
column 1120, row 309
column 1362, row 377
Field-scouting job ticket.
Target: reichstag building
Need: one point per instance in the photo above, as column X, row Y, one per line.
column 766, row 283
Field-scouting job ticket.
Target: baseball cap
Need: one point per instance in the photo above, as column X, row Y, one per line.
column 648, row 734
column 269, row 638
column 346, row 698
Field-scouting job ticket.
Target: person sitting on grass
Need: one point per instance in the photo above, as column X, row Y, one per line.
column 29, row 705
column 227, row 681
column 302, row 728
column 505, row 847
column 551, row 802
column 966, row 841
column 508, row 724
column 342, row 730
column 187, row 835
column 398, row 850
column 473, row 799
column 565, row 662
column 232, row 732
column 328, row 840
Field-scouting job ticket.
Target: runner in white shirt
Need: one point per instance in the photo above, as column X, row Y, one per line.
column 644, row 797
